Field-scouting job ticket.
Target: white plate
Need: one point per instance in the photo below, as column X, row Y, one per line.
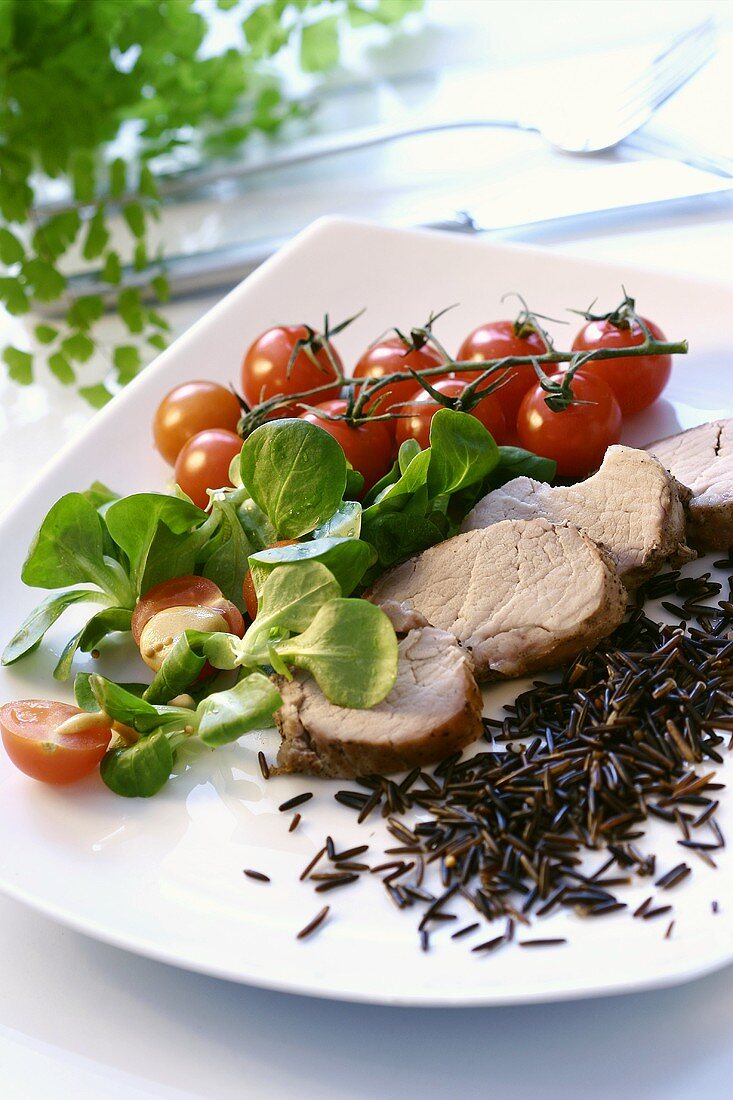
column 164, row 877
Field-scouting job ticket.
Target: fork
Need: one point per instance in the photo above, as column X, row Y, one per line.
column 584, row 120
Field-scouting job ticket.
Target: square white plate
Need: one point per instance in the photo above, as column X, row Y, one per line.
column 164, row 877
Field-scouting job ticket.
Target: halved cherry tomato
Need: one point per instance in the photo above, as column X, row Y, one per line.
column 635, row 383
column 367, row 445
column 496, row 340
column 189, row 409
column 389, row 357
column 36, row 742
column 266, row 370
column 577, row 437
column 423, row 407
column 184, row 603
column 203, row 463
column 249, row 592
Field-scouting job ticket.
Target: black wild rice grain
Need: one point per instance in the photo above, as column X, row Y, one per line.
column 264, row 767
column 257, row 875
column 490, row 945
column 668, row 933
column 465, row 931
column 307, row 870
column 294, row 823
column 677, row 874
column 344, row 879
column 314, row 924
column 651, row 913
column 296, row 800
column 542, row 943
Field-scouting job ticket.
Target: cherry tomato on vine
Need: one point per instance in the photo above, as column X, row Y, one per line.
column 266, row 370
column 637, row 382
column 36, row 742
column 249, row 592
column 388, row 357
column 496, row 340
column 204, row 461
column 189, row 409
column 367, row 445
column 422, row 408
column 577, row 437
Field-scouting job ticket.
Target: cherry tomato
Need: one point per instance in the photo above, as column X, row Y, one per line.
column 577, row 437
column 184, row 603
column 249, row 592
column 265, row 370
column 204, row 461
column 367, row 446
column 388, row 357
column 423, row 408
column 36, row 742
column 189, row 409
column 635, row 383
column 496, row 340
column 186, row 591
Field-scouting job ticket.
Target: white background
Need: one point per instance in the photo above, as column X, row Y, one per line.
column 78, row 1018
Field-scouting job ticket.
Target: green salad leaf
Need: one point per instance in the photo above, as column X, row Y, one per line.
column 290, row 597
column 139, row 770
column 30, row 633
column 350, row 649
column 69, row 549
column 347, row 558
column 296, row 473
column 226, row 715
column 153, row 531
column 462, row 452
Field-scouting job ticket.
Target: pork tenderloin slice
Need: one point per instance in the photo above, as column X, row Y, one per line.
column 702, row 459
column 631, row 506
column 434, row 709
column 521, row 595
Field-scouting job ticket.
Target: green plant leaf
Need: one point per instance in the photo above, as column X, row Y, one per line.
column 134, row 216
column 228, row 563
column 319, row 45
column 127, row 361
column 45, row 334
column 226, row 715
column 140, row 770
column 345, row 523
column 350, row 649
column 82, row 174
column 462, row 452
column 346, row 558
column 97, row 396
column 290, row 597
column 60, row 366
column 107, row 621
column 30, row 633
column 97, row 236
column 135, row 523
column 19, row 364
column 78, row 346
column 112, row 268
column 11, row 250
column 295, row 472
column 516, row 462
column 69, row 549
column 117, row 178
column 181, row 667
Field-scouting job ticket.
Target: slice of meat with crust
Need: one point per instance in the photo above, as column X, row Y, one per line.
column 520, row 595
column 433, row 710
column 631, row 506
column 702, row 459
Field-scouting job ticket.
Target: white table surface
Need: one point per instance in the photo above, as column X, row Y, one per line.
column 81, row 1019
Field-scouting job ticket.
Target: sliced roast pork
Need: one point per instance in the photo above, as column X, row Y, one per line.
column 631, row 506
column 520, row 595
column 433, row 710
column 702, row 459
